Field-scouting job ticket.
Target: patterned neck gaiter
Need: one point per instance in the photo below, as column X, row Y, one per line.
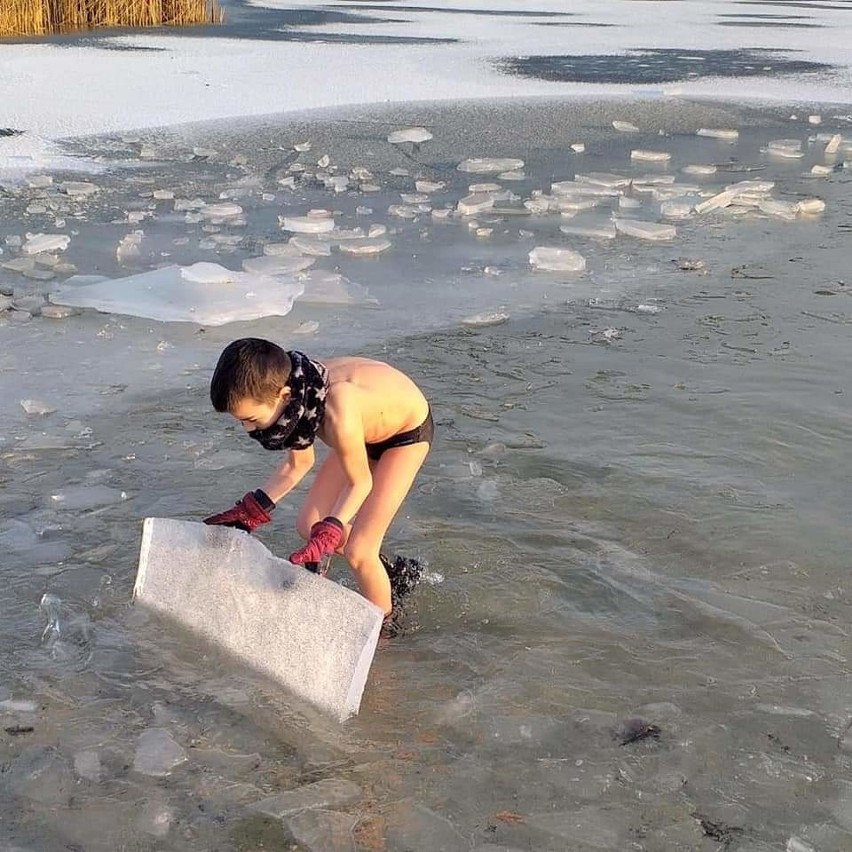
column 297, row 426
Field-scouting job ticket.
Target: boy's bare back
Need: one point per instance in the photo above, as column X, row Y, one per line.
column 388, row 400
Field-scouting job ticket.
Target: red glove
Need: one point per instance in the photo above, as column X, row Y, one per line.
column 326, row 537
column 251, row 512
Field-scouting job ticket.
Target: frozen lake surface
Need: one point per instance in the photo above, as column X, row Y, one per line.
column 635, row 507
column 634, row 629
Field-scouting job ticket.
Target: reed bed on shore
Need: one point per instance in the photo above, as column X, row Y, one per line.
column 43, row 17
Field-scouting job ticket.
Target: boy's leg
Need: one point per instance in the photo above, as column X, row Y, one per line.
column 393, row 476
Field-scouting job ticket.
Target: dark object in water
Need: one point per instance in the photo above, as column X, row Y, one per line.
column 14, row 730
column 725, row 834
column 633, row 730
column 404, row 574
column 10, row 131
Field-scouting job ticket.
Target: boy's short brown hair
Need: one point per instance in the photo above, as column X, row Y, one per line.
column 249, row 368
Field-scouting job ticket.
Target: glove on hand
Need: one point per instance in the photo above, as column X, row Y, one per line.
column 251, row 512
column 326, row 537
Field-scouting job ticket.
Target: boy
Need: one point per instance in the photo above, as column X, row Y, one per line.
column 378, row 427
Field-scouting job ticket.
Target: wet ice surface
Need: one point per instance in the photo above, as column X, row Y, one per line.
column 636, row 505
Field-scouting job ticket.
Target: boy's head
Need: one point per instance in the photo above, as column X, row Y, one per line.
column 249, row 370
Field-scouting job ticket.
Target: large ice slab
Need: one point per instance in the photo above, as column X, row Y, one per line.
column 204, row 293
column 314, row 637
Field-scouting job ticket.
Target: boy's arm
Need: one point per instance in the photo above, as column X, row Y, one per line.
column 253, row 509
column 345, row 434
column 289, row 474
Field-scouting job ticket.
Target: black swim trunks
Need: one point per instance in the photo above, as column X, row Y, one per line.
column 424, row 432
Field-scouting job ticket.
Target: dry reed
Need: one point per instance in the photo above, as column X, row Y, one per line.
column 43, row 17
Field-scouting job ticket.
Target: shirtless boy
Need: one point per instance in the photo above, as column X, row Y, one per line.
column 377, row 425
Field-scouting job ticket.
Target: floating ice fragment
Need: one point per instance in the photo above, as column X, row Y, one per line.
column 221, row 211
column 302, row 146
column 78, row 189
column 415, row 135
column 646, row 230
column 486, row 319
column 725, row 134
column 324, row 161
column 833, row 144
column 676, row 209
column 278, row 264
column 37, row 243
column 780, row 209
column 578, row 147
column 36, row 407
column 488, row 165
column 318, row 246
column 650, row 156
column 207, row 295
column 84, row 497
column 128, row 247
column 414, row 197
column 648, row 309
column 626, row 203
column 157, row 753
column 811, row 205
column 427, row 186
column 476, row 203
column 625, row 127
column 365, row 247
column 814, row 119
column 604, row 179
column 785, row 148
column 39, row 181
column 399, row 171
column 513, row 175
column 330, row 288
column 377, row 230
column 699, row 169
column 307, row 327
column 403, row 211
column 307, row 224
column 600, row 230
column 553, row 259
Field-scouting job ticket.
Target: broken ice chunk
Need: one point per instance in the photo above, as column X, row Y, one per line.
column 646, row 230
column 488, row 165
column 78, row 189
column 650, row 156
column 416, row 135
column 515, row 174
column 318, row 246
column 365, row 247
column 403, row 211
column 785, row 148
column 625, row 127
column 699, row 169
column 627, row 203
column 277, row 264
column 204, row 293
column 476, row 203
column 427, row 186
column 604, row 179
column 307, row 224
column 221, row 211
column 676, row 209
column 780, row 209
column 725, row 134
column 553, row 259
column 38, row 243
column 578, row 147
column 811, row 205
column 329, row 288
column 833, row 144
column 603, row 229
column 814, row 119
column 36, row 407
column 486, row 319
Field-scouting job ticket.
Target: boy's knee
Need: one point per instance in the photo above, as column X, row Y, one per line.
column 359, row 554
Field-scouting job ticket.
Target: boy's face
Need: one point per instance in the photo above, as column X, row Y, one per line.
column 254, row 414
